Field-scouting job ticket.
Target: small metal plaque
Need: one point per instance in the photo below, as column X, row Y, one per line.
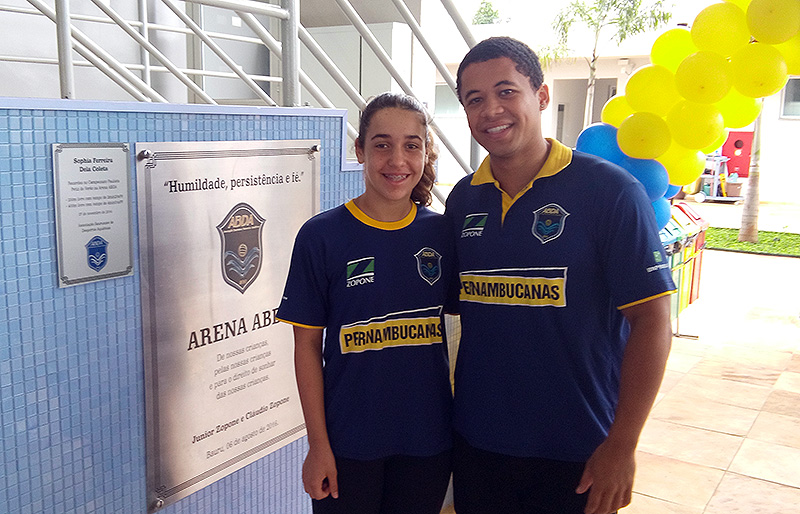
column 93, row 220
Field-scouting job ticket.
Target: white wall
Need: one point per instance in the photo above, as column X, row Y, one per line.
column 780, row 158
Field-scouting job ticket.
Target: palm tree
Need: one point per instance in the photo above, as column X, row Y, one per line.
column 749, row 230
column 627, row 16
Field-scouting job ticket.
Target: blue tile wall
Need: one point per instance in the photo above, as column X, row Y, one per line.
column 71, row 360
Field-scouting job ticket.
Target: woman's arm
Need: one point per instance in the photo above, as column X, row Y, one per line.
column 319, row 468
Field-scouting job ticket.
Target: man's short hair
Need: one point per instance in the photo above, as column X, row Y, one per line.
column 526, row 60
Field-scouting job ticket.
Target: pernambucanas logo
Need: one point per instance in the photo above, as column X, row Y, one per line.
column 474, row 224
column 240, row 232
column 361, row 271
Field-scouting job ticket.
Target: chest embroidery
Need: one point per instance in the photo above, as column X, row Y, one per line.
column 361, row 271
column 429, row 265
column 548, row 222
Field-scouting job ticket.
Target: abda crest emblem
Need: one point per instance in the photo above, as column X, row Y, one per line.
column 240, row 233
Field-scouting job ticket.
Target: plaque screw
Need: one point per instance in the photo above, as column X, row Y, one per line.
column 145, row 154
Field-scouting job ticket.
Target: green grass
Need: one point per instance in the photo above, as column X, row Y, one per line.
column 770, row 243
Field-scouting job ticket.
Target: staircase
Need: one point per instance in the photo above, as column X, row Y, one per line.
column 235, row 52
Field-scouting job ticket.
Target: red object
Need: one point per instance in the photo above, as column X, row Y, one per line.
column 689, row 215
column 737, row 149
column 694, row 217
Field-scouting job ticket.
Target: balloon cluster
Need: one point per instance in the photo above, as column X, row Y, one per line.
column 701, row 83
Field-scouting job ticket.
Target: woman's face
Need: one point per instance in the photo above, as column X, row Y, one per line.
column 393, row 154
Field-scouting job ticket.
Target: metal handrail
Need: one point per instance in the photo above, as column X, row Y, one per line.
column 137, row 24
column 466, row 33
column 290, row 47
column 111, row 13
column 461, row 25
column 247, row 6
column 417, row 30
column 333, row 70
column 141, row 67
column 291, row 77
column 95, row 54
column 275, row 47
column 214, row 47
column 144, row 26
column 121, row 74
column 64, row 39
column 373, row 43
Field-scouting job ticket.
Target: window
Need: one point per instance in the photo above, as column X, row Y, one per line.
column 446, row 102
column 791, row 99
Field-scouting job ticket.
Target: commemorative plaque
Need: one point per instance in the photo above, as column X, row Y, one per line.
column 92, row 197
column 217, row 223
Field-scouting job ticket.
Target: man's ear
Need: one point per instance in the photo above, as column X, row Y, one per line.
column 543, row 94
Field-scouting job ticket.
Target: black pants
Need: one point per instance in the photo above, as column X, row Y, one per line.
column 395, row 485
column 489, row 483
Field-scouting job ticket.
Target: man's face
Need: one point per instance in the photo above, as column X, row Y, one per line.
column 503, row 110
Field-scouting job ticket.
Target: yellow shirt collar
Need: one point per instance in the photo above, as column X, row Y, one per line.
column 559, row 158
column 383, row 225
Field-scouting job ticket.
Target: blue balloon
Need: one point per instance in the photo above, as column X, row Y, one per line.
column 663, row 211
column 600, row 139
column 672, row 191
column 651, row 173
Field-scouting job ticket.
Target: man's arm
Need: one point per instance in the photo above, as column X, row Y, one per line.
column 608, row 475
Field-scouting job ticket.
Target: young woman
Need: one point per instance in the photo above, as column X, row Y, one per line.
column 367, row 278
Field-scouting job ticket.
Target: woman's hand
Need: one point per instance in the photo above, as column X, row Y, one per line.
column 319, row 474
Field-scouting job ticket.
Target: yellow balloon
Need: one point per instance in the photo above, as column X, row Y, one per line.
column 773, row 21
column 695, row 125
column 790, row 51
column 672, row 47
column 643, row 135
column 738, row 110
column 703, row 77
column 741, row 3
column 616, row 110
column 716, row 144
column 721, row 28
column 683, row 164
column 758, row 70
column 652, row 89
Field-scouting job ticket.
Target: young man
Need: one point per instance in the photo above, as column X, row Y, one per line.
column 564, row 306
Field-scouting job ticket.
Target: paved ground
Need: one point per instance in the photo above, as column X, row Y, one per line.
column 724, row 435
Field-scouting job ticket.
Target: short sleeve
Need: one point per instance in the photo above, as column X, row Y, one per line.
column 636, row 266
column 305, row 296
